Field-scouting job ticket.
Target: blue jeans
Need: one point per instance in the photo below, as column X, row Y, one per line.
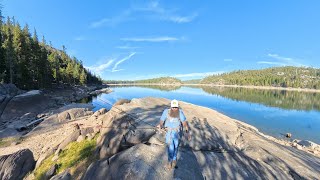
column 172, row 140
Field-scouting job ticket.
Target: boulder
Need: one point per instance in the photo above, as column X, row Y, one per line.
column 81, row 138
column 62, row 176
column 64, row 116
column 79, row 112
column 85, row 131
column 91, row 136
column 143, row 162
column 2, row 97
column 9, row 132
column 307, row 144
column 99, row 91
column 16, row 165
column 204, row 136
column 103, row 111
column 51, row 172
column 96, row 129
column 111, row 142
column 138, row 136
column 26, row 104
column 9, row 89
column 121, row 102
column 157, row 139
column 73, row 137
column 100, row 112
column 73, row 114
column 112, row 136
column 41, row 158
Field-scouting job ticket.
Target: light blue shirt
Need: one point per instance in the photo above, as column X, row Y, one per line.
column 172, row 122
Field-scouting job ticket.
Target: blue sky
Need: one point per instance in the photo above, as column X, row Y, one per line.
column 185, row 39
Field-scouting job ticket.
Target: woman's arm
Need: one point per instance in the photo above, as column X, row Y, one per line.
column 185, row 126
column 160, row 125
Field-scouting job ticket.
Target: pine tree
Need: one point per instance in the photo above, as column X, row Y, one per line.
column 83, row 77
column 75, row 73
column 9, row 51
column 29, row 63
column 2, row 54
column 21, row 52
column 69, row 72
column 35, row 60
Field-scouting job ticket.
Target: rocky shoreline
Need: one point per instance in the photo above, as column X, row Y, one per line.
column 128, row 147
column 21, row 110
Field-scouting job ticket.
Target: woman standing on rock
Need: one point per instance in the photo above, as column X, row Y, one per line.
column 174, row 121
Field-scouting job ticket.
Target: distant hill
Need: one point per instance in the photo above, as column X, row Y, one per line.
column 161, row 80
column 192, row 81
column 295, row 77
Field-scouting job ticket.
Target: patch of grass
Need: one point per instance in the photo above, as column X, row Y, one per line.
column 73, row 154
column 43, row 168
column 4, row 142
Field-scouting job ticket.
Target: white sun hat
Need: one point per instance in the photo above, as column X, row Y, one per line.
column 174, row 103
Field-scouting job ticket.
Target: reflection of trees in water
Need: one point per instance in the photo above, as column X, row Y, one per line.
column 87, row 99
column 158, row 87
column 275, row 98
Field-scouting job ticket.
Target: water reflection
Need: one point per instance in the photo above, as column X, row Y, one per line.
column 294, row 100
column 157, row 87
column 273, row 98
column 87, row 99
column 272, row 112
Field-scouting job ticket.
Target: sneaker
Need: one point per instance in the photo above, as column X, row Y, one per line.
column 174, row 164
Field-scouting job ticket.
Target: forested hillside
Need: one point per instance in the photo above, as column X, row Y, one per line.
column 161, row 80
column 296, row 77
column 29, row 63
column 192, row 81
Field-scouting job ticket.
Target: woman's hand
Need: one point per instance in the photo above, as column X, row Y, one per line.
column 187, row 135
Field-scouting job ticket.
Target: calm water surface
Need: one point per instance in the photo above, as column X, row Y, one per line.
column 273, row 112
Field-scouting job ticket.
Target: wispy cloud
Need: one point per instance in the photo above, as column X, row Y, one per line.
column 113, row 21
column 127, row 47
column 99, row 69
column 165, row 14
column 227, row 60
column 271, row 63
column 286, row 61
column 110, row 65
column 114, row 69
column 182, row 19
column 151, row 10
column 151, row 39
column 80, row 38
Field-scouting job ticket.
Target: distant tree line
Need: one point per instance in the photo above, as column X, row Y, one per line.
column 117, row 82
column 161, row 80
column 192, row 81
column 295, row 77
column 31, row 64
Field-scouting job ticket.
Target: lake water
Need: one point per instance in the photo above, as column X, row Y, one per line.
column 273, row 112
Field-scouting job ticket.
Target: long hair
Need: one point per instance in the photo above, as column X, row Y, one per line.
column 174, row 114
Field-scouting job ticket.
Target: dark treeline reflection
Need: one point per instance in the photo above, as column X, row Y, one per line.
column 274, row 98
column 158, row 87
